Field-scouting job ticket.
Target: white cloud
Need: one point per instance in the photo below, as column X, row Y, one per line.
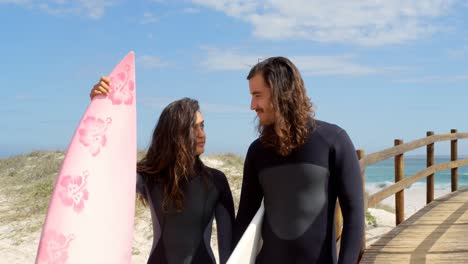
column 363, row 22
column 150, row 62
column 226, row 60
column 58, row 10
column 436, row 78
column 331, row 65
column 93, row 9
column 191, row 10
column 224, row 109
column 459, row 52
column 149, row 18
column 25, row 97
column 16, row 2
column 235, row 8
column 156, row 102
column 162, row 102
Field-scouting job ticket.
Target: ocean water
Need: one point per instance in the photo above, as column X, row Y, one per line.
column 382, row 174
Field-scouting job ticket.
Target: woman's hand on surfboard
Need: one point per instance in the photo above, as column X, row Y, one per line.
column 101, row 88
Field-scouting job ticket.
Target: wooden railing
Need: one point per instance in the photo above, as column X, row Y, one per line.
column 401, row 182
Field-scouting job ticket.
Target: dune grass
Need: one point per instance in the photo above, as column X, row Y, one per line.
column 26, row 184
column 27, row 181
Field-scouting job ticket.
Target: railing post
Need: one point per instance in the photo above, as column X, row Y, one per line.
column 361, row 155
column 399, row 196
column 430, row 178
column 453, row 157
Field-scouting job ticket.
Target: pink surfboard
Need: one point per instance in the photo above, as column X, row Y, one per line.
column 91, row 211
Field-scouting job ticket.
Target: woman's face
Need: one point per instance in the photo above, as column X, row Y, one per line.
column 200, row 136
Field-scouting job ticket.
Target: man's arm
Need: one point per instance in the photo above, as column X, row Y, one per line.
column 350, row 195
column 250, row 199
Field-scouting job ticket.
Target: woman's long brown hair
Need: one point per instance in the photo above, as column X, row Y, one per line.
column 171, row 159
column 292, row 106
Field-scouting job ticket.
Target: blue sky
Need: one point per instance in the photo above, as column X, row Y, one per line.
column 380, row 69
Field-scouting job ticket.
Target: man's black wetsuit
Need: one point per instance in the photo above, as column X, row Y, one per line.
column 300, row 192
column 184, row 237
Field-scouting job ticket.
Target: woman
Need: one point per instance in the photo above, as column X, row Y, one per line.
column 183, row 194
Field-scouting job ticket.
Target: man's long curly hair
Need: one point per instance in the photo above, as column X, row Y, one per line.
column 292, row 107
column 171, row 159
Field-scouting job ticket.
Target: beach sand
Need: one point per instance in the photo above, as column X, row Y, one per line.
column 415, row 199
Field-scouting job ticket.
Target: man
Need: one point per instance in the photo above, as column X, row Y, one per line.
column 300, row 166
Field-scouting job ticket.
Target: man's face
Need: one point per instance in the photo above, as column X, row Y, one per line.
column 261, row 100
column 200, row 136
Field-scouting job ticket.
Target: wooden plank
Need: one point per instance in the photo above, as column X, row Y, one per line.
column 392, row 152
column 415, row 258
column 438, row 233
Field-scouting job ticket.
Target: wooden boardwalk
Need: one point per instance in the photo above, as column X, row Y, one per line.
column 438, row 233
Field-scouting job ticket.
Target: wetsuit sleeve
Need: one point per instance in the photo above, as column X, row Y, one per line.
column 142, row 189
column 224, row 214
column 350, row 195
column 250, row 199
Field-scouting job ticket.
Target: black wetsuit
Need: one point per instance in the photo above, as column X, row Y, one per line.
column 300, row 192
column 184, row 237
